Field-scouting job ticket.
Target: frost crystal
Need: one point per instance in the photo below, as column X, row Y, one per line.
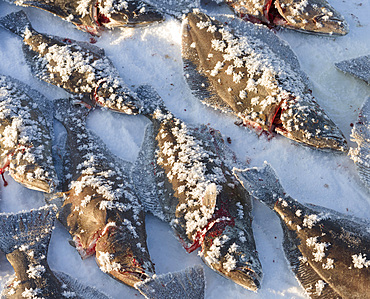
column 359, row 261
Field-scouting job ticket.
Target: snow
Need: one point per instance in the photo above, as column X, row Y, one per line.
column 152, row 55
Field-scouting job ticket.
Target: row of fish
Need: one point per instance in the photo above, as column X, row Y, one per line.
column 313, row 16
column 188, row 166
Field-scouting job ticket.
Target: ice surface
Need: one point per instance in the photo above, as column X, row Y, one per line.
column 152, row 55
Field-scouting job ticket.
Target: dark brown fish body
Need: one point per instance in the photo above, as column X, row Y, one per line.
column 327, row 251
column 25, row 136
column 79, row 68
column 310, row 16
column 99, row 208
column 91, row 15
column 184, row 181
column 249, row 76
column 25, row 239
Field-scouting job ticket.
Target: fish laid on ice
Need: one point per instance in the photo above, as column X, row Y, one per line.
column 247, row 70
column 327, row 251
column 93, row 15
column 25, row 136
column 182, row 179
column 361, row 135
column 80, row 68
column 358, row 67
column 24, row 238
column 97, row 205
column 310, row 16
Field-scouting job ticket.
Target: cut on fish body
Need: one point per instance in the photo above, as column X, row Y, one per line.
column 327, row 251
column 361, row 135
column 182, row 178
column 26, row 136
column 24, row 238
column 309, row 16
column 79, row 68
column 246, row 75
column 93, row 15
column 358, row 67
column 98, row 205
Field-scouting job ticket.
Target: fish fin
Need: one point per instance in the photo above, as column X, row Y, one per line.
column 303, row 271
column 32, row 228
column 358, row 67
column 175, row 8
column 150, row 98
column 69, row 114
column 16, row 22
column 83, row 291
column 56, row 199
column 143, row 175
column 186, row 284
column 261, row 182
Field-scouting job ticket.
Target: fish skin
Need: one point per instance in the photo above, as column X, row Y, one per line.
column 175, row 8
column 358, row 67
column 77, row 67
column 28, row 256
column 98, row 206
column 92, row 16
column 320, row 244
column 182, row 178
column 361, row 135
column 312, row 16
column 25, row 136
column 267, row 92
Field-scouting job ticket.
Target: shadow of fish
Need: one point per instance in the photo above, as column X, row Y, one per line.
column 327, row 251
column 79, row 68
column 93, row 15
column 361, row 135
column 181, row 177
column 309, row 16
column 24, row 238
column 97, row 205
column 246, row 70
column 358, row 67
column 25, row 136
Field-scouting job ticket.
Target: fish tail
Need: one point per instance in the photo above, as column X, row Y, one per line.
column 261, row 182
column 31, row 228
column 150, row 98
column 16, row 22
column 70, row 114
column 188, row 283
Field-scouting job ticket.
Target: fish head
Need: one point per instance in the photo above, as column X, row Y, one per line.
column 232, row 256
column 315, row 16
column 305, row 122
column 131, row 13
column 123, row 257
column 114, row 95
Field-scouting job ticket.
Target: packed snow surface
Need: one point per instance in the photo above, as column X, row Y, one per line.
column 152, row 55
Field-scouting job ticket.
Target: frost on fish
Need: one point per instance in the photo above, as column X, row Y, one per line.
column 175, row 8
column 99, row 207
column 244, row 75
column 361, row 135
column 327, row 251
column 358, row 67
column 310, row 16
column 185, row 284
column 77, row 67
column 91, row 15
column 24, row 238
column 181, row 177
column 25, row 136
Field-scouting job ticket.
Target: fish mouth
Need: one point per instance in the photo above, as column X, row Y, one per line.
column 131, row 14
column 309, row 18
